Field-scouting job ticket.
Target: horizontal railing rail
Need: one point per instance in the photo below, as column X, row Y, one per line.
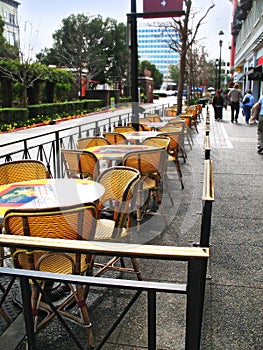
column 196, row 259
column 46, row 144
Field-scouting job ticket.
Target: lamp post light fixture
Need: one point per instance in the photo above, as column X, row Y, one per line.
column 219, row 69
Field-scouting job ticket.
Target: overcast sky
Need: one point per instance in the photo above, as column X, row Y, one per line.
column 38, row 20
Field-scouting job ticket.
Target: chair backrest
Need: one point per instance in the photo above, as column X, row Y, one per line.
column 192, row 111
column 154, row 118
column 144, row 120
column 22, row 170
column 115, row 138
column 73, row 223
column 121, row 129
column 148, row 162
column 157, row 141
column 175, row 139
column 187, row 118
column 170, row 112
column 120, row 184
column 141, row 127
column 80, row 164
column 177, row 122
column 91, row 141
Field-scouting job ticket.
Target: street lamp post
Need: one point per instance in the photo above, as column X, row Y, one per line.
column 219, row 69
column 216, row 64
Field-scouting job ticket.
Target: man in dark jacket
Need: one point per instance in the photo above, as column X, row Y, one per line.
column 218, row 104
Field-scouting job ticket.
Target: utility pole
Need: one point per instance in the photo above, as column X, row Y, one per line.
column 134, row 64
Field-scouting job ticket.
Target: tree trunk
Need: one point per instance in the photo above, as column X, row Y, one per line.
column 50, row 91
column 7, row 93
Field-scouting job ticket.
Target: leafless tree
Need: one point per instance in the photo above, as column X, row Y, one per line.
column 187, row 36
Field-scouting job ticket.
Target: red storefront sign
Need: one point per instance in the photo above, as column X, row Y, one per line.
column 157, row 8
column 260, row 61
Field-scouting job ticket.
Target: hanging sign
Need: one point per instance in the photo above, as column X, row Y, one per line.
column 162, row 8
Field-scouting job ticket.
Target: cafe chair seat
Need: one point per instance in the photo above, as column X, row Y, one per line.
column 71, row 223
column 120, row 185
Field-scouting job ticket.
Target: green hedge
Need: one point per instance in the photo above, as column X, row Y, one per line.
column 11, row 118
column 125, row 99
column 64, row 109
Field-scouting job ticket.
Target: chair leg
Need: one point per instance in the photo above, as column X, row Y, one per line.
column 179, row 172
column 85, row 314
column 136, row 268
column 110, row 265
column 5, row 292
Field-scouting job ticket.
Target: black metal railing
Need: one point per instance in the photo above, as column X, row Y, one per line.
column 196, row 259
column 46, row 144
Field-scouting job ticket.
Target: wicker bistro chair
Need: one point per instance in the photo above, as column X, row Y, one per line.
column 173, row 152
column 188, row 122
column 161, row 142
column 151, row 165
column 153, row 118
column 91, row 141
column 122, row 129
column 178, row 122
column 22, row 170
column 179, row 129
column 193, row 111
column 71, row 223
column 16, row 171
column 115, row 138
column 120, row 184
column 141, row 127
column 80, row 164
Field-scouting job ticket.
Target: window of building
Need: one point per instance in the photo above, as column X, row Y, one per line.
column 11, row 18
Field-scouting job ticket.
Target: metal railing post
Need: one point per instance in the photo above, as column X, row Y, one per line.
column 195, row 302
column 151, row 320
column 57, row 149
column 27, row 308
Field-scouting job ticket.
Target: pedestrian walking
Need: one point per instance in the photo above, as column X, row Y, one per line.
column 225, row 99
column 235, row 96
column 248, row 102
column 218, row 104
column 259, row 106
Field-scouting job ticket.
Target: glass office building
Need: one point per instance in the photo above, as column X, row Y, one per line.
column 153, row 46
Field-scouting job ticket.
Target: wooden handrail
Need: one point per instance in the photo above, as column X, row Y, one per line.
column 208, row 185
column 105, row 248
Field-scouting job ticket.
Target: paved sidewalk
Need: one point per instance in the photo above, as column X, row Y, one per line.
column 233, row 301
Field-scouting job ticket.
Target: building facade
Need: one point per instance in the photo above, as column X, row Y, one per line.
column 247, row 45
column 153, row 46
column 8, row 12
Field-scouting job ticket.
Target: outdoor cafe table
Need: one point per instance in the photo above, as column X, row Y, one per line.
column 155, row 125
column 139, row 136
column 48, row 193
column 117, row 151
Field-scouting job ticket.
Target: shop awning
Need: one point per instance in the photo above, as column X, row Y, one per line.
column 255, row 73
